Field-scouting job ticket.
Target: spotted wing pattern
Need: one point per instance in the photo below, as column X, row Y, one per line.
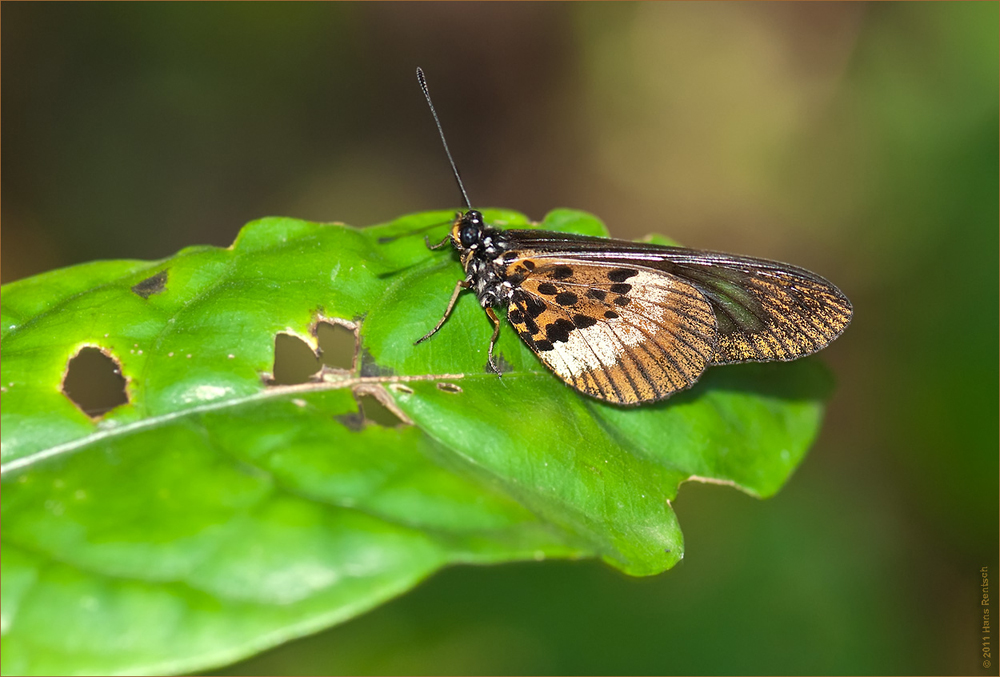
column 624, row 335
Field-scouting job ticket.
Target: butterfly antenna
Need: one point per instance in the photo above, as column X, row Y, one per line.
column 427, row 95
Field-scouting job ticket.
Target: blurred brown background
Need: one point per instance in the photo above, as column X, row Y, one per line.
column 860, row 141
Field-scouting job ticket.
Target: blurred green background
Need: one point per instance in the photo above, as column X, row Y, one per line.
column 860, row 141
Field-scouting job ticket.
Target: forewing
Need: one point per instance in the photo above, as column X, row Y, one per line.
column 765, row 310
column 623, row 335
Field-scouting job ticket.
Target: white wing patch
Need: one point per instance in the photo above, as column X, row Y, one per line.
column 601, row 345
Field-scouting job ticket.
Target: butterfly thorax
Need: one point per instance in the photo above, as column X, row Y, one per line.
column 481, row 249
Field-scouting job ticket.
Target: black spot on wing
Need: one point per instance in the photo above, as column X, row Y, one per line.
column 610, row 314
column 527, row 309
column 598, row 294
column 562, row 272
column 548, row 289
column 533, row 306
column 584, row 321
column 538, row 346
column 559, row 330
column 621, row 288
column 621, row 301
column 530, row 265
column 509, row 256
column 566, row 298
column 622, row 274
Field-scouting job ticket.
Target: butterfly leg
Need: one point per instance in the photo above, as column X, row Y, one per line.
column 459, row 286
column 493, row 341
column 427, row 241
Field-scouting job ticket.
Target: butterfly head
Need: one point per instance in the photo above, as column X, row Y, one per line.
column 467, row 230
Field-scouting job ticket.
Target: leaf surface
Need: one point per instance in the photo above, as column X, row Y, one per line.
column 217, row 514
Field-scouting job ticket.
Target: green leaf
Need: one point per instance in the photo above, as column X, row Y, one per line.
column 217, row 514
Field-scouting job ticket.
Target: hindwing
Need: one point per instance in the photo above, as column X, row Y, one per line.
column 622, row 334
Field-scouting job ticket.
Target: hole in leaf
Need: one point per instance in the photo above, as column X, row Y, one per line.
column 375, row 407
column 94, row 382
column 294, row 361
column 400, row 388
column 377, row 413
column 337, row 345
column 449, row 387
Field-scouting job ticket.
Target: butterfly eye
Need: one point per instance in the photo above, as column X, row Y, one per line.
column 468, row 235
column 472, row 225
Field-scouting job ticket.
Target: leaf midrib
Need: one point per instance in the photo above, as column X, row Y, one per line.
column 272, row 392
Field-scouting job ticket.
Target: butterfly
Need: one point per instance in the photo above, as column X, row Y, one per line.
column 631, row 323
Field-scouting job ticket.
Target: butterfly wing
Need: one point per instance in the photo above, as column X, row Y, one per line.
column 764, row 310
column 626, row 336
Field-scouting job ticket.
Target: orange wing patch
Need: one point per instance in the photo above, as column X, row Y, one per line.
column 624, row 335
